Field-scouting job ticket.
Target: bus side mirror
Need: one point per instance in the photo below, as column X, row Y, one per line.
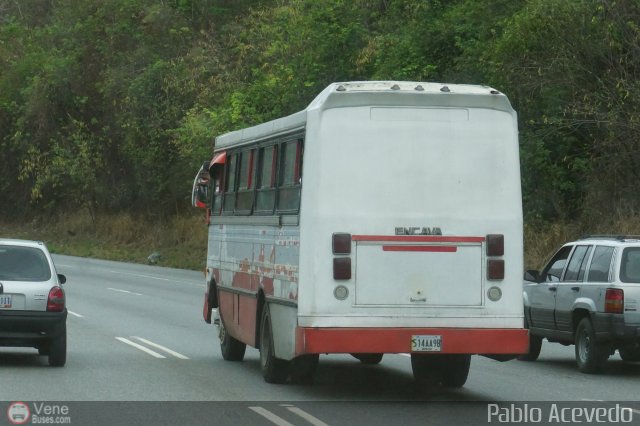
column 200, row 190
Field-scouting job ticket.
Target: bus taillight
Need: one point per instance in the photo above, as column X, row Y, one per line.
column 342, row 268
column 495, row 245
column 495, row 269
column 341, row 243
column 495, row 248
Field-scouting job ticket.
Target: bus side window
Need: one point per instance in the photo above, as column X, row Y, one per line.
column 290, row 176
column 217, row 192
column 230, row 186
column 266, row 193
column 246, row 182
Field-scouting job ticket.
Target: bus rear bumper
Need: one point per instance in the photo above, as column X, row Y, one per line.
column 398, row 340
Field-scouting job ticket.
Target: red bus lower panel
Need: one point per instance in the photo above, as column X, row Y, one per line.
column 398, row 340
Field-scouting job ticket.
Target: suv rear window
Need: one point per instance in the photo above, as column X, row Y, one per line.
column 19, row 263
column 630, row 265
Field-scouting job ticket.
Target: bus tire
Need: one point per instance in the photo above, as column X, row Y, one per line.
column 274, row 370
column 455, row 370
column 426, row 369
column 450, row 371
column 369, row 359
column 303, row 368
column 590, row 354
column 232, row 349
column 535, row 345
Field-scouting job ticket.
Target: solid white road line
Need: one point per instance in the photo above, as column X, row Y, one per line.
column 74, row 314
column 153, row 277
column 140, row 347
column 162, row 348
column 308, row 417
column 124, row 291
column 270, row 416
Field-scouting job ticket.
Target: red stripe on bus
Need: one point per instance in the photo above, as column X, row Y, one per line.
column 398, row 340
column 418, row 238
column 431, row 249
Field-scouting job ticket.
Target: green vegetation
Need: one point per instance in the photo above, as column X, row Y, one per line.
column 108, row 107
column 180, row 240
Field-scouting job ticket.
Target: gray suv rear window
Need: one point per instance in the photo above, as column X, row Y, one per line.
column 630, row 265
column 19, row 263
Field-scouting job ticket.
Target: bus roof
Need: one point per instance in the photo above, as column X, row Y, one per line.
column 379, row 93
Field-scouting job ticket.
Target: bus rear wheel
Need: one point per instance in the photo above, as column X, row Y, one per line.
column 535, row 345
column 369, row 359
column 232, row 349
column 450, row 371
column 303, row 368
column 274, row 370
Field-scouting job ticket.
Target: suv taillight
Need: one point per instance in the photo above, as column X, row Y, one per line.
column 614, row 301
column 55, row 302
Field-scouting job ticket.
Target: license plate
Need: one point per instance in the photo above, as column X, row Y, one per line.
column 5, row 301
column 426, row 343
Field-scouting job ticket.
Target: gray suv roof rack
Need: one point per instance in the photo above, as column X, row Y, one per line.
column 610, row 237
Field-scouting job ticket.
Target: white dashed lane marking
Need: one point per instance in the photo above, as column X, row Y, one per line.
column 162, row 348
column 140, row 347
column 151, row 352
column 124, row 291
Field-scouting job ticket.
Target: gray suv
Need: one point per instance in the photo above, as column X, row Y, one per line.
column 33, row 312
column 587, row 295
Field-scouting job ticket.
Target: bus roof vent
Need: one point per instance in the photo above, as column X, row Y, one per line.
column 340, row 88
column 395, row 87
column 445, row 89
column 419, row 88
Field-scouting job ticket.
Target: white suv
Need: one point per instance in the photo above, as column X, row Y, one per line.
column 587, row 295
column 32, row 301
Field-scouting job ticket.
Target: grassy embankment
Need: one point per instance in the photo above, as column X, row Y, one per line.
column 182, row 241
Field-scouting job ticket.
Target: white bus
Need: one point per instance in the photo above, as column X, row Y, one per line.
column 384, row 218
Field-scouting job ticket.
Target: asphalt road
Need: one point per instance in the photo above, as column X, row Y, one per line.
column 135, row 333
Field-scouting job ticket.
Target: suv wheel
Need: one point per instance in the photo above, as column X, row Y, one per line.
column 590, row 355
column 630, row 353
